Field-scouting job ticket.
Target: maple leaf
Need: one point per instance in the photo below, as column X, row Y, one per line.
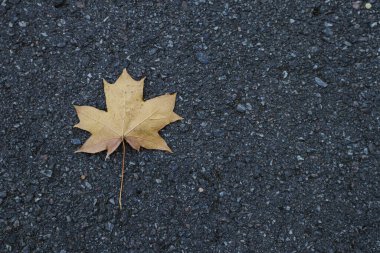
column 128, row 118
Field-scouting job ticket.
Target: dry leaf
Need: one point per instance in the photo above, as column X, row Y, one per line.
column 128, row 118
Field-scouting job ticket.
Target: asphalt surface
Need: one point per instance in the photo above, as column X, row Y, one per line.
column 279, row 150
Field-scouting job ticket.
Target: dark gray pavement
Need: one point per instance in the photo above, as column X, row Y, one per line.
column 279, row 150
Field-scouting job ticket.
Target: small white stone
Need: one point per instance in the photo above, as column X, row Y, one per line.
column 88, row 185
column 22, row 24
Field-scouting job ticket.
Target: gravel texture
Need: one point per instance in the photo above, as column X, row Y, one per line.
column 279, row 150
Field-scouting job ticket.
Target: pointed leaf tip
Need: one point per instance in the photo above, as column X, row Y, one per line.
column 126, row 74
column 105, row 82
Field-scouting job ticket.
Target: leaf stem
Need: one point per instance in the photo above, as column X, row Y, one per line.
column 122, row 176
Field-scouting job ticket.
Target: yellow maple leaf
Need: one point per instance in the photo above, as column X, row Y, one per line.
column 128, row 118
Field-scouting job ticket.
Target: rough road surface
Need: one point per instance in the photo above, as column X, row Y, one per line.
column 279, row 150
